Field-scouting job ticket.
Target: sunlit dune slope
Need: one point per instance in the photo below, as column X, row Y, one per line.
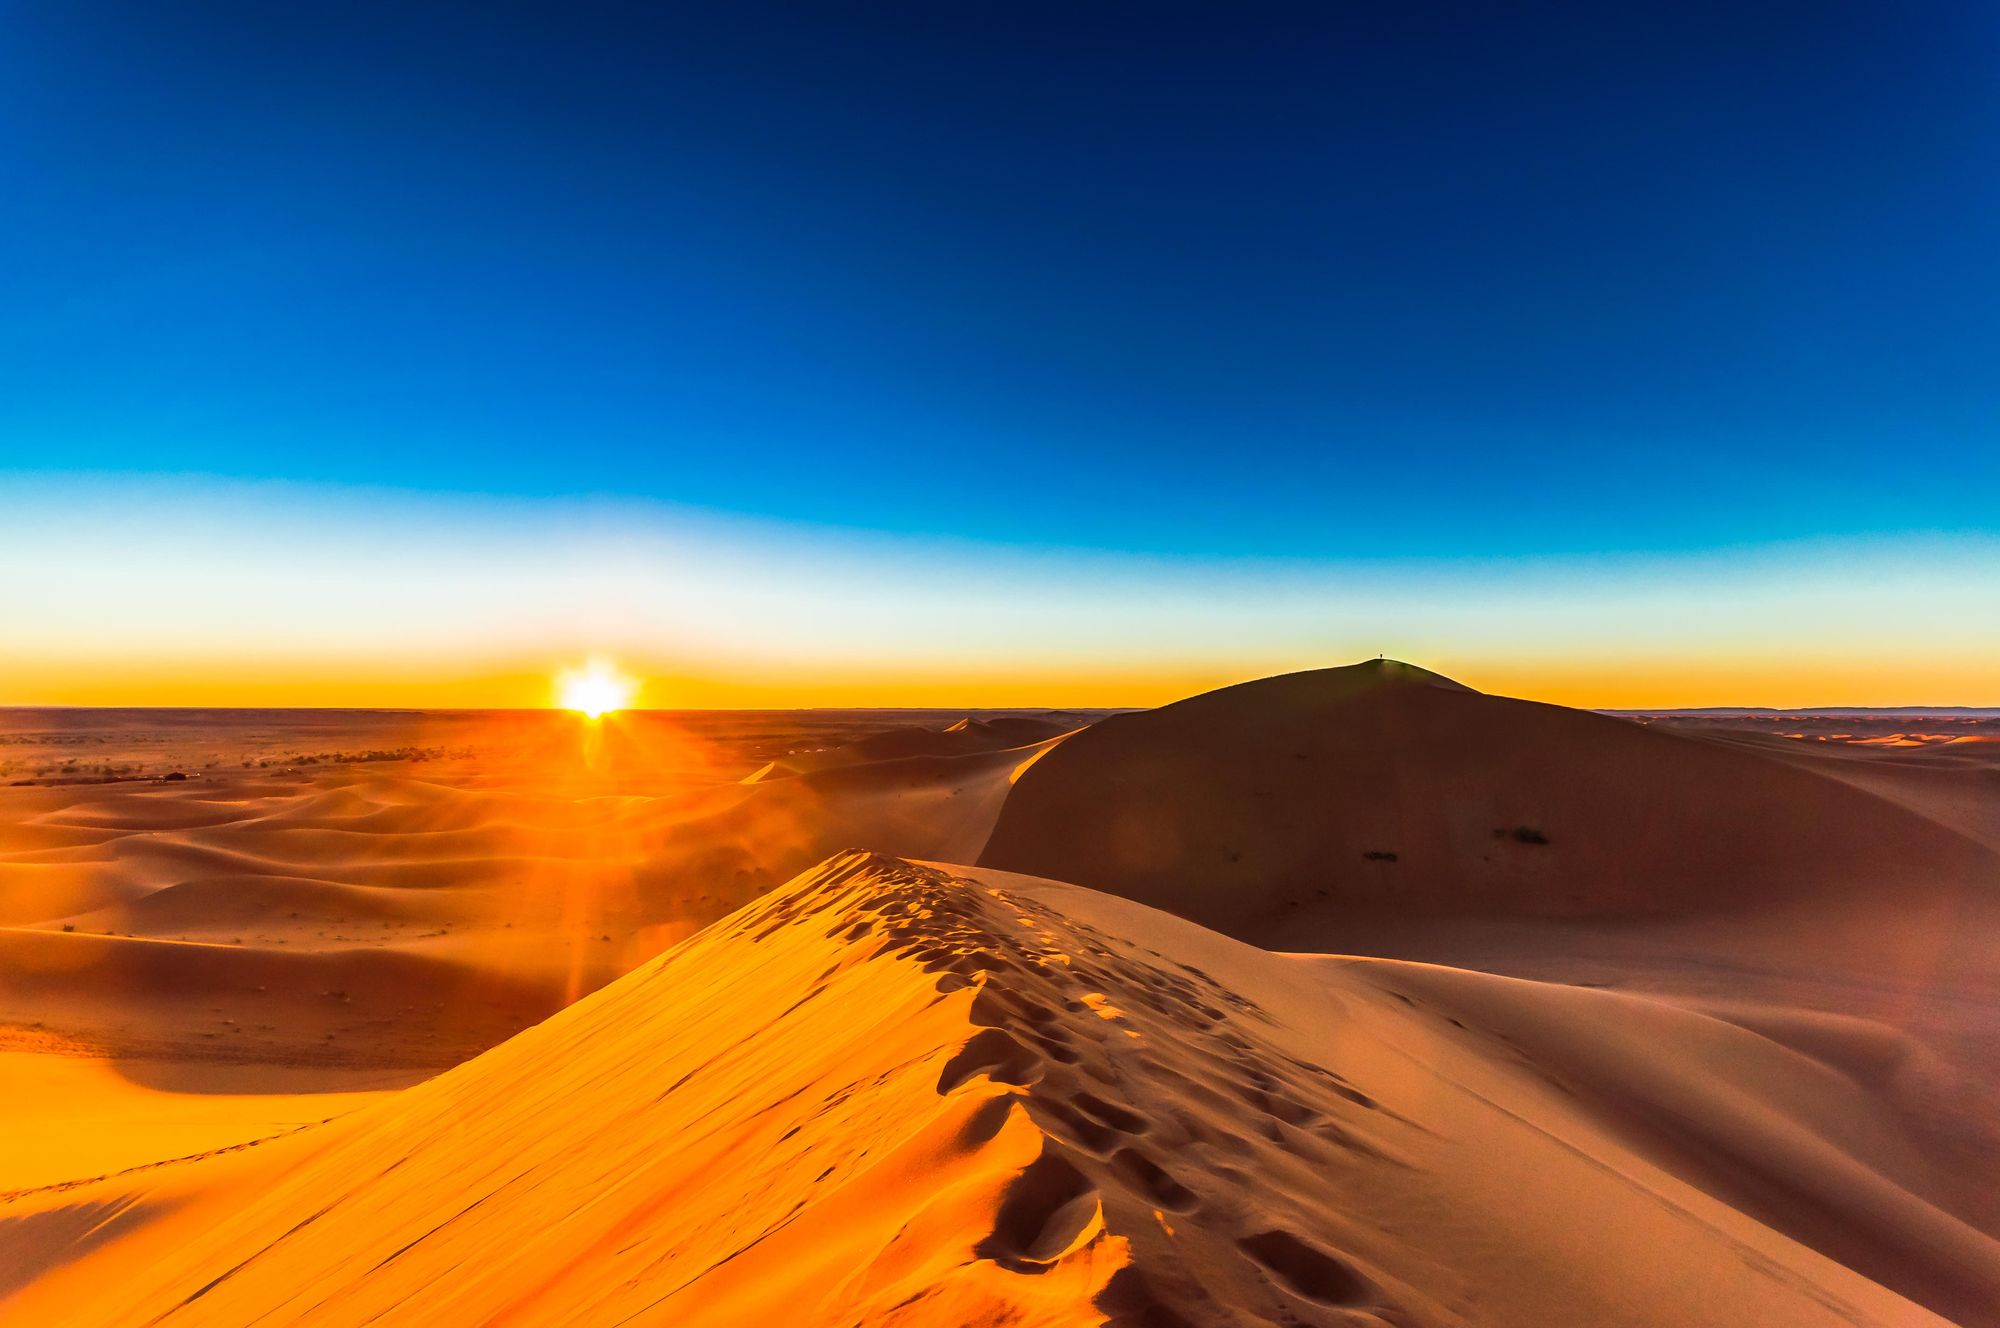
column 900, row 1095
column 1384, row 787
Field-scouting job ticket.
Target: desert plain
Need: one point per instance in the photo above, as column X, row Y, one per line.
column 1347, row 997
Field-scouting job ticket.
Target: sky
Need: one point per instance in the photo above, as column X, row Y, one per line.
column 998, row 354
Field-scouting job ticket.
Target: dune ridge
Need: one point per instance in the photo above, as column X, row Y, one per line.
column 905, row 1094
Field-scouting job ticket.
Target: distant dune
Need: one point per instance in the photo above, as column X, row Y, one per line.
column 1383, row 787
column 967, row 737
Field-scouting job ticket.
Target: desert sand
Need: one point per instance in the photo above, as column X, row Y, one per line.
column 1353, row 996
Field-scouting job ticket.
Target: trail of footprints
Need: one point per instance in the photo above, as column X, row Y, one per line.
column 1171, row 1121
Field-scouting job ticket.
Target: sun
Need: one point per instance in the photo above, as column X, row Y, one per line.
column 596, row 689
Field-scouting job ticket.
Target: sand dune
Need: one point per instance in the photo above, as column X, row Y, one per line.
column 1954, row 781
column 1384, row 787
column 901, row 1095
column 1799, row 1141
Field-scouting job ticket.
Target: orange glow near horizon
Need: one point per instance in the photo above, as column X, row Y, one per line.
column 1607, row 682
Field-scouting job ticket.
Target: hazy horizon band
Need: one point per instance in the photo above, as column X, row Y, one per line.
column 203, row 592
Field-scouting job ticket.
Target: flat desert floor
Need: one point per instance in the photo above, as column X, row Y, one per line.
column 1347, row 997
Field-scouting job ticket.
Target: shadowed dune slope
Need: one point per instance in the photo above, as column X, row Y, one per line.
column 1383, row 787
column 894, row 1094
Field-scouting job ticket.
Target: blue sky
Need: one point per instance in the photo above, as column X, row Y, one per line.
column 1325, row 282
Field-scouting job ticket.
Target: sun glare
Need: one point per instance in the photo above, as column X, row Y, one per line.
column 596, row 689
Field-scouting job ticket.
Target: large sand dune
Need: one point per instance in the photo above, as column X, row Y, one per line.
column 901, row 1095
column 1384, row 787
